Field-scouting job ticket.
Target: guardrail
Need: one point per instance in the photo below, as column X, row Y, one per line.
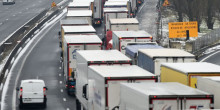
column 18, row 39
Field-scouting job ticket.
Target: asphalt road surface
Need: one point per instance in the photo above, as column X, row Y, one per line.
column 14, row 16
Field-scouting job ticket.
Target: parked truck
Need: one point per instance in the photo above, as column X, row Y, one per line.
column 94, row 57
column 187, row 73
column 74, row 22
column 132, row 50
column 8, row 2
column 121, row 38
column 79, row 5
column 105, row 81
column 110, row 13
column 121, row 24
column 73, row 43
column 151, row 59
column 163, row 96
column 84, row 30
column 210, row 85
column 80, row 14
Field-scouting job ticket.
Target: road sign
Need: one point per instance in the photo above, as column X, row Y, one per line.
column 166, row 3
column 179, row 29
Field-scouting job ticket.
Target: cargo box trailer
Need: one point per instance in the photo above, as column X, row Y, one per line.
column 110, row 13
column 163, row 96
column 121, row 24
column 187, row 73
column 121, row 38
column 94, row 57
column 73, row 43
column 132, row 50
column 79, row 5
column 210, row 85
column 105, row 83
column 76, row 30
column 151, row 59
column 75, row 22
column 80, row 14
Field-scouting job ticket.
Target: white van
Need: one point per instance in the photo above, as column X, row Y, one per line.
column 32, row 91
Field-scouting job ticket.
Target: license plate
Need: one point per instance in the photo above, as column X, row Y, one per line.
column 27, row 100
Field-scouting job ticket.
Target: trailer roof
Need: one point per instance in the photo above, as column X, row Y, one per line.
column 170, row 88
column 82, row 39
column 119, row 0
column 124, row 21
column 84, row 0
column 109, row 10
column 213, row 78
column 78, row 13
column 103, row 55
column 79, row 4
column 121, row 71
column 132, row 50
column 121, row 34
column 195, row 67
column 73, row 21
column 79, row 29
column 115, row 3
column 160, row 53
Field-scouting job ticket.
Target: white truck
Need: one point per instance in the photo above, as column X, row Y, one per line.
column 94, row 57
column 79, row 5
column 124, row 24
column 80, row 14
column 110, row 13
column 151, row 59
column 73, row 43
column 121, row 38
column 210, row 85
column 163, row 96
column 104, row 83
column 8, row 2
column 74, row 22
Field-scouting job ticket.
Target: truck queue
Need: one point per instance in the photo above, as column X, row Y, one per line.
column 127, row 70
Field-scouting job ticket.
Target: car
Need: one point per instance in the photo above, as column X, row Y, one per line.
column 32, row 92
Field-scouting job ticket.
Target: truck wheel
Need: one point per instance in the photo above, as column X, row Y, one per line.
column 21, row 106
column 44, row 105
column 78, row 105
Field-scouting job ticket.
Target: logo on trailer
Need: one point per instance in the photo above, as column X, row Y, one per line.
column 195, row 107
column 74, row 53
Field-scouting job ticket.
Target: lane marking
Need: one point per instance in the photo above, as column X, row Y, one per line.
column 6, row 19
column 142, row 6
column 61, row 90
column 59, row 74
column 60, row 67
column 67, row 109
column 209, row 56
column 64, row 99
column 61, row 82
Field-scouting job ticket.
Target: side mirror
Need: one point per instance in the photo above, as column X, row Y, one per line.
column 17, row 88
column 84, row 95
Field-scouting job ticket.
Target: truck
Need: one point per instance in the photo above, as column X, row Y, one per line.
column 104, row 84
column 121, row 38
column 210, row 85
column 80, row 14
column 110, row 13
column 121, row 24
column 73, row 43
column 8, row 2
column 85, row 30
column 132, row 50
column 87, row 58
column 163, row 96
column 79, row 5
column 74, row 22
column 151, row 59
column 187, row 73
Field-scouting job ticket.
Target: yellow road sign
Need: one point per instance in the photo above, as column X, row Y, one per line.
column 166, row 3
column 178, row 29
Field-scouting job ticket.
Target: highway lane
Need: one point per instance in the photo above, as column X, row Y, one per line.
column 213, row 57
column 42, row 60
column 14, row 16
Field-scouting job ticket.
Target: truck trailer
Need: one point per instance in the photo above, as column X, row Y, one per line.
column 132, row 50
column 151, row 59
column 90, row 58
column 73, row 43
column 210, row 85
column 8, row 2
column 80, row 14
column 163, row 96
column 105, row 81
column 121, row 38
column 79, row 5
column 187, row 73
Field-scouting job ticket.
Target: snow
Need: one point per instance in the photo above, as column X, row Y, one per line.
column 210, row 50
column 22, row 52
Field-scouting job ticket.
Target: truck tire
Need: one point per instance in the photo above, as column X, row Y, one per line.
column 78, row 105
column 44, row 104
column 21, row 105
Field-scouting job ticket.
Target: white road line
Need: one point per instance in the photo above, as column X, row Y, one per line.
column 64, row 99
column 209, row 56
column 67, row 109
column 61, row 82
column 59, row 74
column 6, row 19
column 60, row 68
column 61, row 90
column 142, row 6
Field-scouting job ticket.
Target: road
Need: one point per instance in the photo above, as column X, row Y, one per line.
column 42, row 60
column 213, row 57
column 14, row 16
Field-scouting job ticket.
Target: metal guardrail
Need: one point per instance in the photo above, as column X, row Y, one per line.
column 23, row 33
